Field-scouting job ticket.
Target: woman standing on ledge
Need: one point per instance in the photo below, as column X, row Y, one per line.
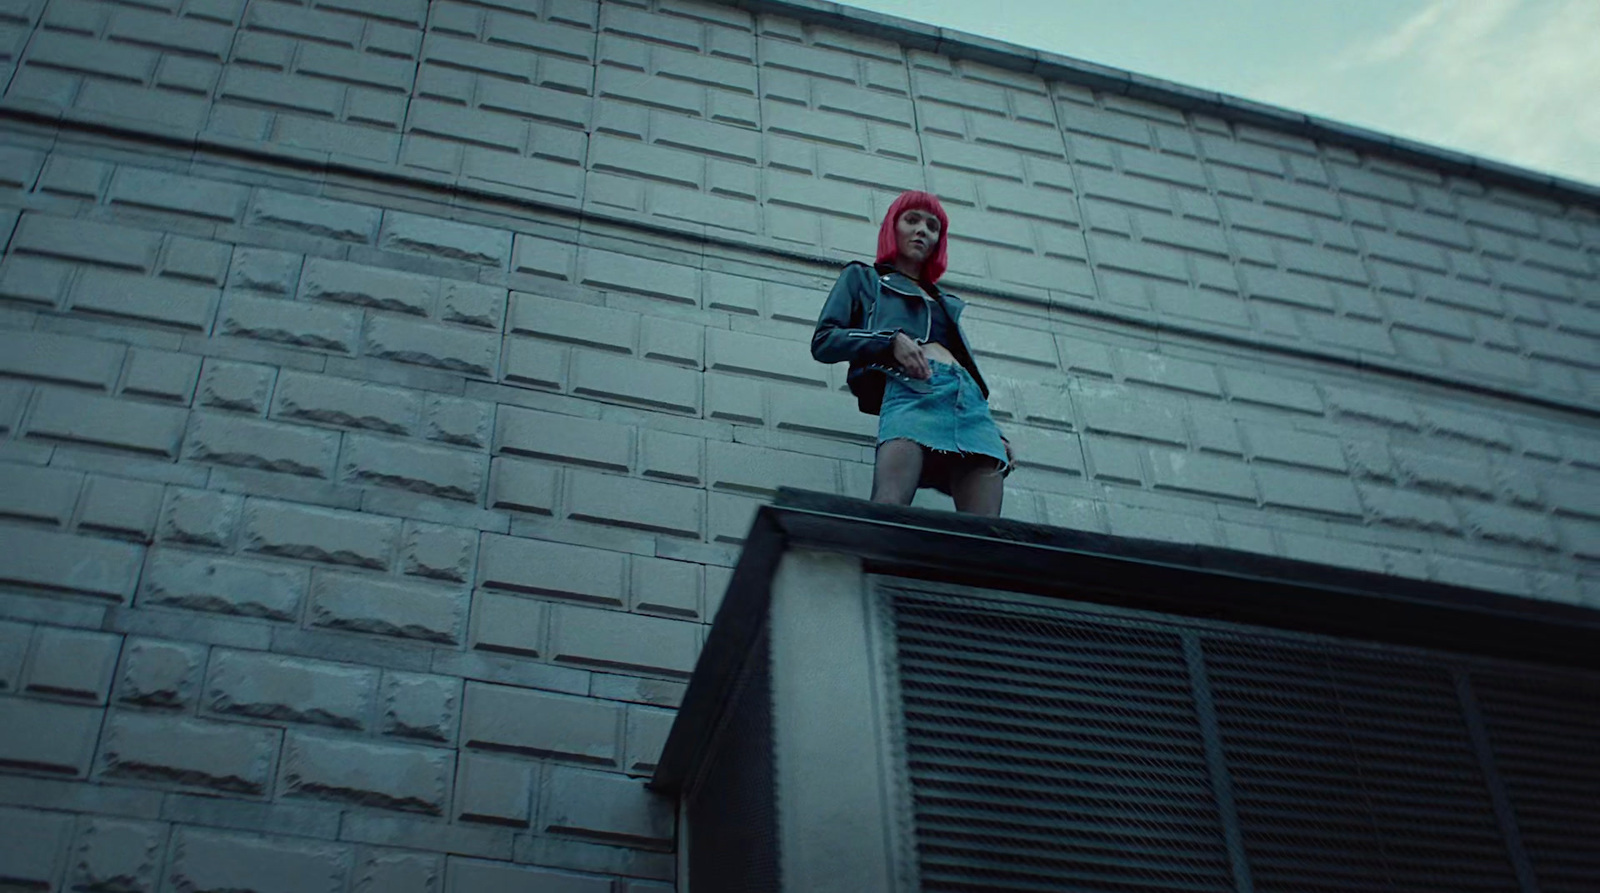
column 910, row 365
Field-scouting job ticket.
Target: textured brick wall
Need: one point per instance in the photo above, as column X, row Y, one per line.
column 385, row 387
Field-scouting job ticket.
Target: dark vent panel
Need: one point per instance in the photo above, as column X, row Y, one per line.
column 1053, row 753
column 1545, row 733
column 1056, row 748
column 1352, row 773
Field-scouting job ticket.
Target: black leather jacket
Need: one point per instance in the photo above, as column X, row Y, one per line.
column 865, row 309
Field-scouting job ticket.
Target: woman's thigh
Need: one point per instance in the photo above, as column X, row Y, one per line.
column 897, row 471
column 977, row 485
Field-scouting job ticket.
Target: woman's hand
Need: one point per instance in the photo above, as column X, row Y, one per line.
column 1011, row 455
column 910, row 357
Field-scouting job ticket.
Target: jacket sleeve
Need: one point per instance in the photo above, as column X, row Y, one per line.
column 839, row 337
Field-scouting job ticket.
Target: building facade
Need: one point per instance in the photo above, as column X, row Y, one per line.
column 386, row 388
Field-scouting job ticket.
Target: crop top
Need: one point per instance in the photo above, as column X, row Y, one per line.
column 939, row 329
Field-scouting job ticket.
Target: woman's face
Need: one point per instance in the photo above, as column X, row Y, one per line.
column 917, row 234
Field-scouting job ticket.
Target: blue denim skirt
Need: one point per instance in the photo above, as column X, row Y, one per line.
column 951, row 421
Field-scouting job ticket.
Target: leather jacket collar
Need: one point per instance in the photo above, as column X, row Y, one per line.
column 900, row 282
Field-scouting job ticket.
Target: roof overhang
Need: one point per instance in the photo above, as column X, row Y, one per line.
column 1169, row 578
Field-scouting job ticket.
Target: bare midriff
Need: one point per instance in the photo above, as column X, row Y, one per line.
column 938, row 353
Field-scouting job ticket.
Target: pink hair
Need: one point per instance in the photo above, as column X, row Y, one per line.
column 889, row 242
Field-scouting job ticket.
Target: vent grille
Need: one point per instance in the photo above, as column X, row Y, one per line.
column 1545, row 733
column 1352, row 772
column 1052, row 753
column 1052, row 748
column 731, row 811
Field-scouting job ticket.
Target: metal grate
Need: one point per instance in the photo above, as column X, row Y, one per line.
column 1052, row 752
column 1352, row 771
column 733, row 846
column 1545, row 734
column 1052, row 748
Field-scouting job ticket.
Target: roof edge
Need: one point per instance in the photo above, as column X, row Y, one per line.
column 1189, row 580
column 1057, row 67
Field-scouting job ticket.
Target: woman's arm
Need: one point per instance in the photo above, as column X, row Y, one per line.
column 839, row 337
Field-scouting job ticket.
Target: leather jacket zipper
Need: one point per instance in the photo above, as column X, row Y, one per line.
column 927, row 308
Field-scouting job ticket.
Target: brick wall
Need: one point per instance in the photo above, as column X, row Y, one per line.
column 385, row 387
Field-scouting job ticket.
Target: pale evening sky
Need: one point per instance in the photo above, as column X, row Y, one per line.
column 1516, row 81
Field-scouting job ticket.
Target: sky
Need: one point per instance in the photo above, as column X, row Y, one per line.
column 1516, row 81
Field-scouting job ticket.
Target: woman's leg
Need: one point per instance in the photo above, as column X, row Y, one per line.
column 897, row 471
column 978, row 487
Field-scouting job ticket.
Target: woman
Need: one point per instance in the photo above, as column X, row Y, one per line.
column 910, row 365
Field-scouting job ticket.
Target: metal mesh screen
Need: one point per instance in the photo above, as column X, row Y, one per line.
column 733, row 845
column 1052, row 753
column 1352, row 772
column 1545, row 733
column 1050, row 748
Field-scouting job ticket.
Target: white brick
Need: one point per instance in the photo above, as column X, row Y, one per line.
column 669, row 588
column 65, row 563
column 210, row 860
column 75, row 664
column 543, row 435
column 517, row 720
column 427, row 708
column 610, row 807
column 102, row 421
column 650, row 384
column 674, row 457
column 290, row 689
column 382, row 608
column 523, row 486
column 223, row 585
column 776, row 358
column 382, row 776
column 39, row 494
column 346, row 403
column 610, row 270
column 195, row 753
column 113, row 853
column 574, row 322
column 41, row 736
column 547, row 568
column 444, row 347
column 236, row 387
column 751, row 469
column 439, row 472
column 60, row 358
column 508, row 624
column 442, row 238
column 494, row 790
column 318, row 534
column 632, row 503
column 609, row 639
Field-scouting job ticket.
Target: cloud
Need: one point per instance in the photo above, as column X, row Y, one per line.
column 1513, row 80
column 1398, row 42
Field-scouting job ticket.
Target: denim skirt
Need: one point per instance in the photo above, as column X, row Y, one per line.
column 951, row 421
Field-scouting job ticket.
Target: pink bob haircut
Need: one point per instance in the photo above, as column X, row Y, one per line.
column 889, row 242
